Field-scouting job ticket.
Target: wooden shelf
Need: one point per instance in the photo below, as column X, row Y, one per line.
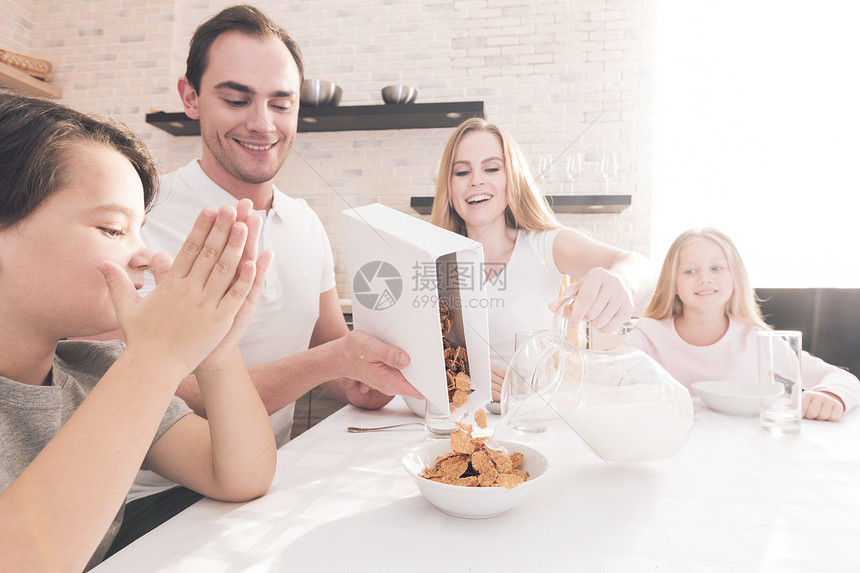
column 588, row 203
column 559, row 203
column 350, row 118
column 175, row 123
column 26, row 84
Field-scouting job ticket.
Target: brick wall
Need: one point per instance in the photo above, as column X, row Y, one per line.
column 17, row 24
column 545, row 70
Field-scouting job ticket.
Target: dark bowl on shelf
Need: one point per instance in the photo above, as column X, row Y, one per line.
column 320, row 93
column 399, row 94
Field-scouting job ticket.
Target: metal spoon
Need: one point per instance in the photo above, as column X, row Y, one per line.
column 353, row 429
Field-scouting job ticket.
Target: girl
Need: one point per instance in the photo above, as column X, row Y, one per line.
column 79, row 418
column 485, row 192
column 702, row 321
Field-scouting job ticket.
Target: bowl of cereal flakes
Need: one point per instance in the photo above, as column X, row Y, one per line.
column 472, row 477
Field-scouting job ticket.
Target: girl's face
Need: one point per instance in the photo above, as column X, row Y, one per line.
column 49, row 280
column 478, row 181
column 705, row 283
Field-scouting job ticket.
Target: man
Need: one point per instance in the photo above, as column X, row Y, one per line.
column 242, row 83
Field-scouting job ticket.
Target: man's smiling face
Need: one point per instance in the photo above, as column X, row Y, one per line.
column 248, row 106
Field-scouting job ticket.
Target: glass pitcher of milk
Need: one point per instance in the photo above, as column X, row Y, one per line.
column 621, row 402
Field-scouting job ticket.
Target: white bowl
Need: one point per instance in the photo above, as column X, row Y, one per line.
column 417, row 406
column 472, row 502
column 735, row 398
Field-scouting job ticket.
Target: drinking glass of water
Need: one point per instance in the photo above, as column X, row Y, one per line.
column 779, row 381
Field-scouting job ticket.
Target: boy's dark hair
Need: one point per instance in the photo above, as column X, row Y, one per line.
column 37, row 137
column 245, row 19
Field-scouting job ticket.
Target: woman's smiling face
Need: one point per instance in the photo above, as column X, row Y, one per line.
column 478, row 180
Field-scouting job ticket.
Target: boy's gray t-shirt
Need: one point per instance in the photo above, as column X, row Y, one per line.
column 31, row 415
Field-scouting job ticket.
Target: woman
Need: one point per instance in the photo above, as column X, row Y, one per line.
column 485, row 192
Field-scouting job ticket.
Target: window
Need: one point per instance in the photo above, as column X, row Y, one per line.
column 757, row 132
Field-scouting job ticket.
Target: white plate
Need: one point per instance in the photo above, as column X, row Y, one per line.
column 735, row 398
column 417, row 406
column 472, row 502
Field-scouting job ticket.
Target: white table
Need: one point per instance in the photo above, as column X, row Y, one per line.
column 734, row 499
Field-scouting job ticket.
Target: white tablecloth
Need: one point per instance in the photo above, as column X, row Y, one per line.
column 734, row 499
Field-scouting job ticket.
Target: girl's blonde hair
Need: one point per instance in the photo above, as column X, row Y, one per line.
column 527, row 208
column 743, row 304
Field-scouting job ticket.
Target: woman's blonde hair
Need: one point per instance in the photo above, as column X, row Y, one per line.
column 527, row 208
column 743, row 304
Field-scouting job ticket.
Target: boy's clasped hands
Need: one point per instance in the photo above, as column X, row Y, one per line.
column 205, row 299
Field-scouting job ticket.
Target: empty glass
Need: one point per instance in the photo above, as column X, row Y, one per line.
column 573, row 169
column 779, row 354
column 609, row 167
column 438, row 424
column 544, row 167
column 535, row 418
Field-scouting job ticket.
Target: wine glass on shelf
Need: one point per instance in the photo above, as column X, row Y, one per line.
column 573, row 168
column 609, row 167
column 544, row 169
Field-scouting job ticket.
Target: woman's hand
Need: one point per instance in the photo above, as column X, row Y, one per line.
column 497, row 377
column 602, row 299
column 822, row 406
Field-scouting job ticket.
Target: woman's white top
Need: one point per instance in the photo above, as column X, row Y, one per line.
column 518, row 297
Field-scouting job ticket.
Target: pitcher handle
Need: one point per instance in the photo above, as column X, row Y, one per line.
column 559, row 321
